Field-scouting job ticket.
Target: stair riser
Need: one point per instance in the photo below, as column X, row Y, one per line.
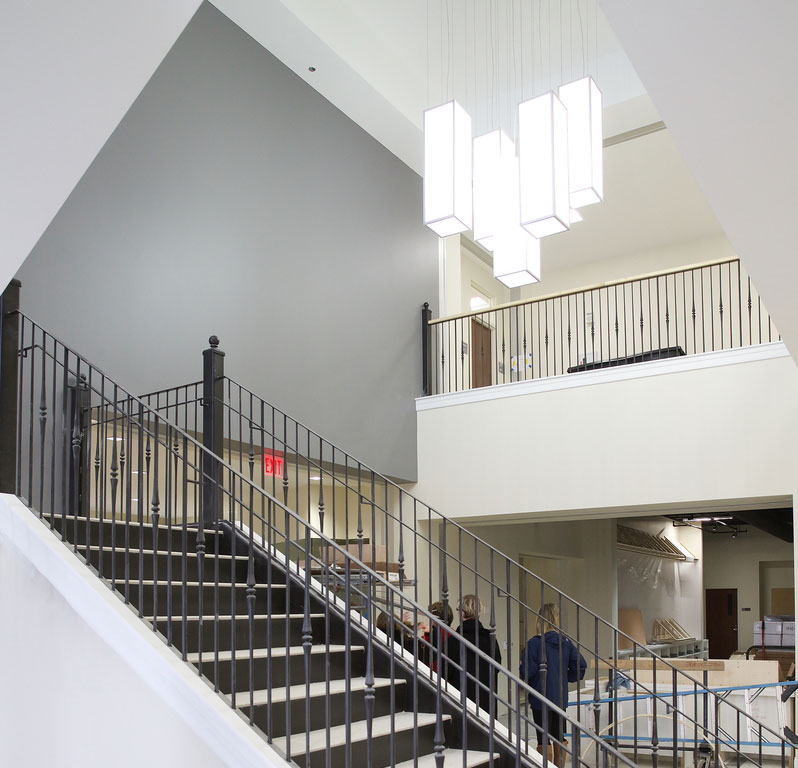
column 242, row 638
column 114, row 534
column 278, row 672
column 380, row 750
column 114, row 563
column 213, row 601
column 318, row 710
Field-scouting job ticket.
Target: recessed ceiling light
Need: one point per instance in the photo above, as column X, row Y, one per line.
column 311, row 69
column 315, row 477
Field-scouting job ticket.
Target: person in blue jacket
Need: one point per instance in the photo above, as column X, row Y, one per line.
column 564, row 664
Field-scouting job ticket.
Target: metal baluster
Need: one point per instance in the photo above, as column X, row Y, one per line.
column 75, row 461
column 155, row 516
column 114, row 484
column 347, row 661
column 601, row 330
column 720, row 303
column 617, row 328
column 504, row 351
column 124, row 500
column 42, row 424
column 141, row 503
column 730, row 306
column 712, row 311
column 168, row 510
column 692, row 281
column 32, row 384
column 562, row 346
column 307, row 642
column 54, row 434
column 438, row 739
column 369, row 680
column 667, row 312
column 20, row 379
column 592, row 330
column 675, row 720
column 750, row 333
column 250, row 574
column 184, row 553
column 546, row 317
column 654, row 726
column 569, row 332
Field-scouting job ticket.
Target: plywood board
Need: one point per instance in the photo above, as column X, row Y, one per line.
column 630, row 621
column 735, row 672
column 782, row 601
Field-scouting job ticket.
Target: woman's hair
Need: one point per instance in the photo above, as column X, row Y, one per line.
column 470, row 607
column 436, row 609
column 549, row 618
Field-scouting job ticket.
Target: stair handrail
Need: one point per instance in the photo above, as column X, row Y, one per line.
column 610, row 661
column 170, row 437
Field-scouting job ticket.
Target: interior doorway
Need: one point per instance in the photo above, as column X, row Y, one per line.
column 481, row 359
column 721, row 622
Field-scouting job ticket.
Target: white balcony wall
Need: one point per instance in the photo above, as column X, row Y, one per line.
column 617, row 440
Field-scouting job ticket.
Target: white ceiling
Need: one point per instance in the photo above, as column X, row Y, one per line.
column 371, row 61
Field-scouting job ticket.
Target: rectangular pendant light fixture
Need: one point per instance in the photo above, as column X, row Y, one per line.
column 493, row 152
column 516, row 258
column 582, row 99
column 543, row 156
column 447, row 169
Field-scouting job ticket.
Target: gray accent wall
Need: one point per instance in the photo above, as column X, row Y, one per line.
column 235, row 200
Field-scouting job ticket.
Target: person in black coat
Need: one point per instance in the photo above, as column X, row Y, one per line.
column 481, row 676
column 564, row 664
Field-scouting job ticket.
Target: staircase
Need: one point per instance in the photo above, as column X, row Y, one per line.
column 302, row 708
column 219, row 560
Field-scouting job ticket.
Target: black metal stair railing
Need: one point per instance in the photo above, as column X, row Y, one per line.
column 705, row 308
column 228, row 575
column 430, row 558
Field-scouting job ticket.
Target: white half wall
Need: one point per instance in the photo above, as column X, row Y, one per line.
column 68, row 73
column 638, row 438
column 85, row 683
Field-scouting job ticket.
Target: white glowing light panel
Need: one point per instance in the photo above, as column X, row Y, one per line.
column 447, row 169
column 543, row 155
column 493, row 153
column 582, row 99
column 516, row 258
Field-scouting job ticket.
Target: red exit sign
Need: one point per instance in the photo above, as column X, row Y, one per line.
column 273, row 464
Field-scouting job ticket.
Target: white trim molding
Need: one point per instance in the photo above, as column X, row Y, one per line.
column 756, row 353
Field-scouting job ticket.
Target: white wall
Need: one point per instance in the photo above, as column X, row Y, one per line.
column 735, row 564
column 688, row 437
column 85, row 683
column 677, row 592
column 631, row 265
column 68, row 73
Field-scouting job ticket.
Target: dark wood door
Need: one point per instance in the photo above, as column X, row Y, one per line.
column 480, row 354
column 721, row 622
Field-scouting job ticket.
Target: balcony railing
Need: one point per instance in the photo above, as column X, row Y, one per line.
column 704, row 308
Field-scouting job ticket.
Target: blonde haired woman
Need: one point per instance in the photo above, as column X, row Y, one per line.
column 564, row 664
column 481, row 679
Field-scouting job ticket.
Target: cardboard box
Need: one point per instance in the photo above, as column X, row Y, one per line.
column 788, row 633
column 773, row 631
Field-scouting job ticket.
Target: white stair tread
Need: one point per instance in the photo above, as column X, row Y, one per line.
column 240, row 616
column 134, row 523
column 453, row 758
column 380, row 726
column 176, row 553
column 206, row 583
column 298, row 692
column 278, row 652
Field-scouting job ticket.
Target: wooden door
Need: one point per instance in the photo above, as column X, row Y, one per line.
column 480, row 354
column 721, row 622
